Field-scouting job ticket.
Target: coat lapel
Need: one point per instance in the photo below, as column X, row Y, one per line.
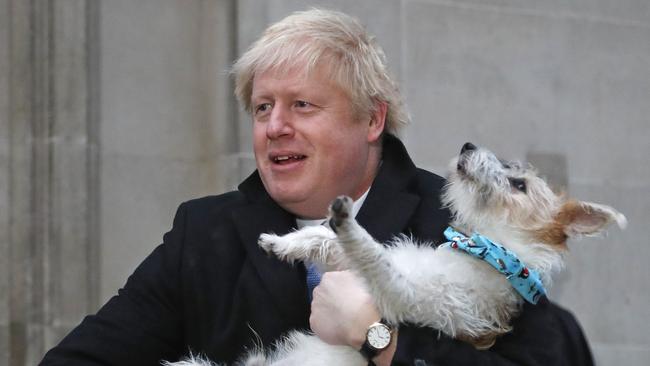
column 285, row 282
column 386, row 216
column 390, row 204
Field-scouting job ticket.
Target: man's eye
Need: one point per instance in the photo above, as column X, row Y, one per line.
column 262, row 107
column 302, row 104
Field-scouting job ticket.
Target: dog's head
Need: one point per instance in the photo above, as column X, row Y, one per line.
column 510, row 203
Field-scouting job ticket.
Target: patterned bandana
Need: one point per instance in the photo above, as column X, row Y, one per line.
column 526, row 281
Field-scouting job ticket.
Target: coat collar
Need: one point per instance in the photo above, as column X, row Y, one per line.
column 385, row 212
column 285, row 282
column 390, row 202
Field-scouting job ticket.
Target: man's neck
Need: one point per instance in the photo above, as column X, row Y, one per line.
column 356, row 207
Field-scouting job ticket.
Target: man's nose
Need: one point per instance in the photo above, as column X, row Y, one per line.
column 279, row 124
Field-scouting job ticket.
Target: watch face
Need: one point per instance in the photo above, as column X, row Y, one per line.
column 378, row 336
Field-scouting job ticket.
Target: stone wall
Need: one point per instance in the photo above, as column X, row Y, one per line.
column 49, row 177
column 167, row 131
column 113, row 112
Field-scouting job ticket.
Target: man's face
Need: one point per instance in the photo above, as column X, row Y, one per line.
column 309, row 145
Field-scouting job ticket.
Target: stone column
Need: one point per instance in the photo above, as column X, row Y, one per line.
column 48, row 172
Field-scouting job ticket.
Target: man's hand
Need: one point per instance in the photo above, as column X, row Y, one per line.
column 342, row 310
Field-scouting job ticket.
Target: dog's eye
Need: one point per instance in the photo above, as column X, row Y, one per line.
column 518, row 184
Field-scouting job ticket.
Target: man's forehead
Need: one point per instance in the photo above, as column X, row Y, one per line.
column 292, row 78
column 298, row 71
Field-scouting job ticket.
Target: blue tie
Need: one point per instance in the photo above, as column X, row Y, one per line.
column 313, row 279
column 313, row 274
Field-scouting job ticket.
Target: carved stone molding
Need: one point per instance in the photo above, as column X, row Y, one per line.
column 49, row 168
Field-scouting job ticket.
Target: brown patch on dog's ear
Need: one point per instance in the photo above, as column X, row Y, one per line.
column 575, row 219
column 552, row 234
column 586, row 218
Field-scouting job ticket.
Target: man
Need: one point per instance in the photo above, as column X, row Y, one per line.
column 324, row 114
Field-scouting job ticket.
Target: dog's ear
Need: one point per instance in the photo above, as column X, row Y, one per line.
column 586, row 218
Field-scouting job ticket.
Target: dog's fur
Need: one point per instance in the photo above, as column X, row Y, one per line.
column 442, row 288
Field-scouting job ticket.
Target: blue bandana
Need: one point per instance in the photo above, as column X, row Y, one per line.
column 526, row 281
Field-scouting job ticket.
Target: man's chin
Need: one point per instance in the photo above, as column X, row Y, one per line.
column 301, row 204
column 284, row 196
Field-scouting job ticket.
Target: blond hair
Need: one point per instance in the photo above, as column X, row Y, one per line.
column 306, row 39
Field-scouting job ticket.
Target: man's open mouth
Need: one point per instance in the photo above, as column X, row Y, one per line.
column 287, row 159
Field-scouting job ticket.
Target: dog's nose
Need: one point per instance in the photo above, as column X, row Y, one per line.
column 467, row 147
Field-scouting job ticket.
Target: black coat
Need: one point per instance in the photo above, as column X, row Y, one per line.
column 210, row 289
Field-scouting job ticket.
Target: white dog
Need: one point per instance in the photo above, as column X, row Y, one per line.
column 511, row 218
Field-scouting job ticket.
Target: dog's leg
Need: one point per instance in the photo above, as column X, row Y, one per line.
column 401, row 294
column 391, row 291
column 316, row 244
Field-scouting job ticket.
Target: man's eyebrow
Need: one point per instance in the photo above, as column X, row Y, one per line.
column 263, row 94
column 291, row 92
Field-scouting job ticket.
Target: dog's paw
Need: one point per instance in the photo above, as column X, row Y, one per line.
column 268, row 242
column 340, row 210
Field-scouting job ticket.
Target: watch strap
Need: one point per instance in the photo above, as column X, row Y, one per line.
column 370, row 352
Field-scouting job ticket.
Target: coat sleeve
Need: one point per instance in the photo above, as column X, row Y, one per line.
column 142, row 324
column 543, row 334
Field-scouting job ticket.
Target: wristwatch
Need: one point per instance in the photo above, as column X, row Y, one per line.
column 378, row 337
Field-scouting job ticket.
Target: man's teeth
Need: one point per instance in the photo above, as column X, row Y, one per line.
column 287, row 157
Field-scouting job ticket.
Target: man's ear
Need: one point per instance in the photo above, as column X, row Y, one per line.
column 377, row 121
column 586, row 218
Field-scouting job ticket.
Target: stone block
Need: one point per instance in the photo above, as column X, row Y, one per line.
column 467, row 78
column 4, row 344
column 139, row 198
column 630, row 12
column 5, row 179
column 151, row 85
column 524, row 82
column 217, row 52
column 70, row 273
column 252, row 19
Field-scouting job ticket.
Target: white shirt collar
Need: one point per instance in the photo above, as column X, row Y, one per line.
column 356, row 206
